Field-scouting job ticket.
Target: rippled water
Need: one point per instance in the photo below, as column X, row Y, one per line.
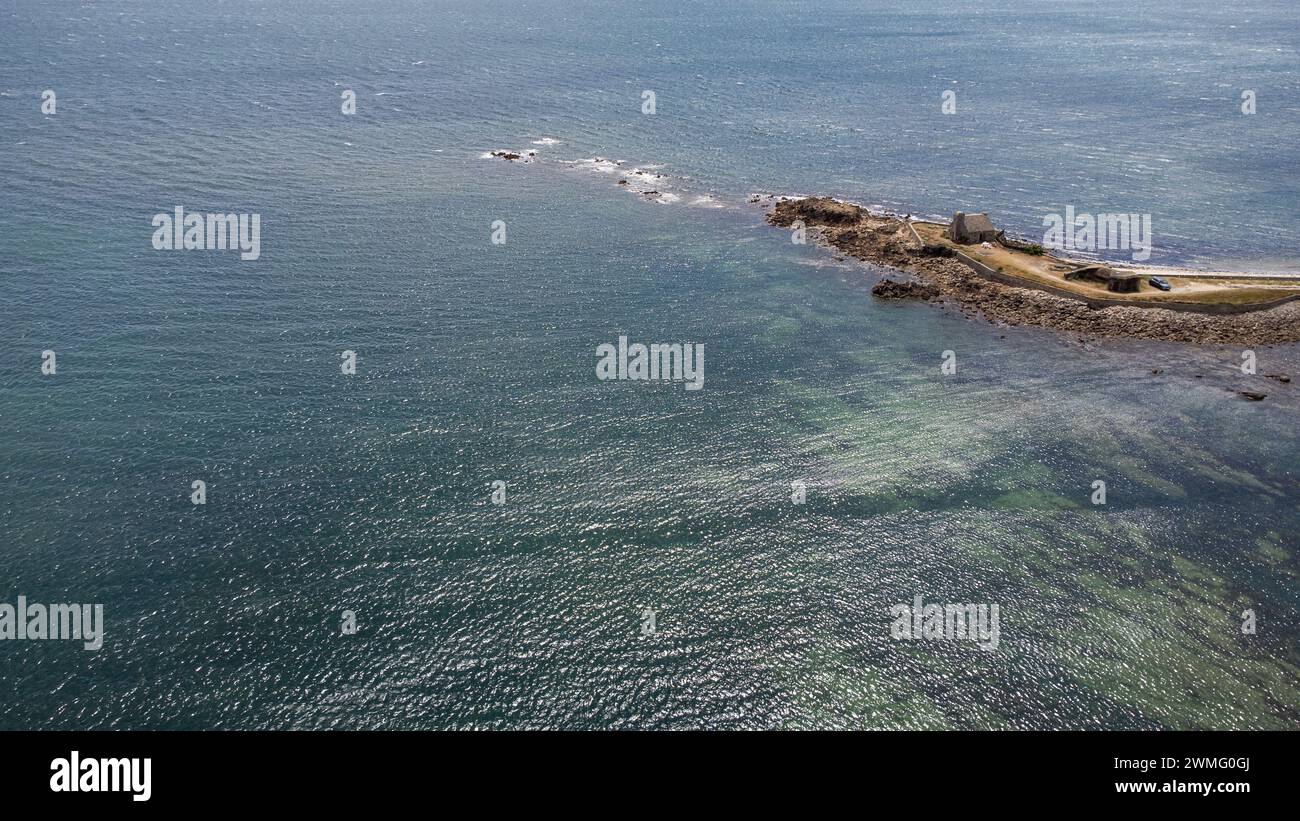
column 476, row 364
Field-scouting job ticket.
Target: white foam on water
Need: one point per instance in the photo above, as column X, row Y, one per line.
column 645, row 182
column 706, row 201
column 600, row 164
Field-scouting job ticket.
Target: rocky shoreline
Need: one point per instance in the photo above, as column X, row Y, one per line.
column 886, row 240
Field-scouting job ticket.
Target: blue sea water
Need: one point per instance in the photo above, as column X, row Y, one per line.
column 476, row 363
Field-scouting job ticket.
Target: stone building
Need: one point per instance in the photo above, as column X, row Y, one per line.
column 1123, row 282
column 971, row 229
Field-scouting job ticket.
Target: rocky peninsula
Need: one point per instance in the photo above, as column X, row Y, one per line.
column 937, row 273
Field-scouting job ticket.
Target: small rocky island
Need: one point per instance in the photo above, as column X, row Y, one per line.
column 970, row 263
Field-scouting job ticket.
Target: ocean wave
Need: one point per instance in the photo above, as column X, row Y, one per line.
column 707, row 201
column 646, row 181
column 600, row 164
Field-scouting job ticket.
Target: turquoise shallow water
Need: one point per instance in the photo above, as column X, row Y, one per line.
column 477, row 363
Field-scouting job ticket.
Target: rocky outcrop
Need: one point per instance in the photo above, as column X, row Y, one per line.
column 514, row 156
column 935, row 251
column 820, row 210
column 893, row 289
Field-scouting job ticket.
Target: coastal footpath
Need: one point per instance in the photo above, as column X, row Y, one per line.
column 938, row 274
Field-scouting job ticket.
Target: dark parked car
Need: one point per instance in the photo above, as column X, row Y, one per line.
column 1160, row 282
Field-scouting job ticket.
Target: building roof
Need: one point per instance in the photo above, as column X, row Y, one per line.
column 978, row 223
